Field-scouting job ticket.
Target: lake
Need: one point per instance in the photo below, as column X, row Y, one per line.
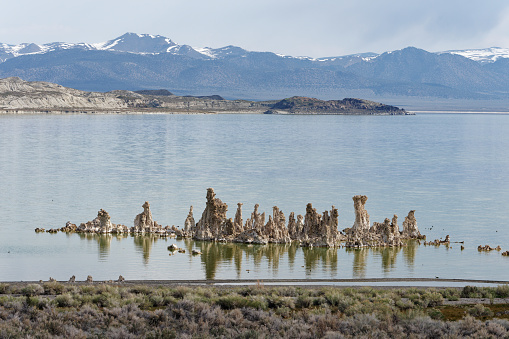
column 451, row 168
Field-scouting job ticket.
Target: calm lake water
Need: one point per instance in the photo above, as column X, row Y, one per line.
column 451, row 168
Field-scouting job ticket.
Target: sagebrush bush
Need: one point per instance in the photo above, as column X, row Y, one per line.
column 53, row 287
column 32, row 289
column 480, row 311
column 502, row 291
column 64, row 300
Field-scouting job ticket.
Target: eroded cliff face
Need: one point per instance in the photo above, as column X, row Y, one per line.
column 16, row 94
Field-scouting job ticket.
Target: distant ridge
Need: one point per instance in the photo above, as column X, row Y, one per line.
column 18, row 96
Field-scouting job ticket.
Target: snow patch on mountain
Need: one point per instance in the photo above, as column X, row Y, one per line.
column 484, row 55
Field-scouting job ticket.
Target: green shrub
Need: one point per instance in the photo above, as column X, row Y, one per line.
column 32, row 301
column 480, row 311
column 156, row 300
column 303, row 301
column 450, row 294
column 105, row 300
column 181, row 291
column 257, row 302
column 142, row 289
column 53, row 287
column 4, row 288
column 276, row 302
column 319, row 301
column 435, row 314
column 333, row 299
column 88, row 289
column 502, row 291
column 64, row 300
column 404, row 304
column 32, row 289
column 433, row 299
column 231, row 302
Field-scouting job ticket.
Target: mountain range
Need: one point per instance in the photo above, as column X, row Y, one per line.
column 412, row 76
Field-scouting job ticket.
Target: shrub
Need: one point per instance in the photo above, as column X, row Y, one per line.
column 105, row 300
column 333, row 299
column 276, row 302
column 435, row 314
column 231, row 302
column 303, row 301
column 4, row 288
column 404, row 304
column 451, row 294
column 32, row 289
column 480, row 311
column 502, row 291
column 53, row 287
column 64, row 300
column 433, row 299
column 181, row 291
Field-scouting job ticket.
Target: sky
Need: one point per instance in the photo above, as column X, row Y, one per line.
column 317, row 28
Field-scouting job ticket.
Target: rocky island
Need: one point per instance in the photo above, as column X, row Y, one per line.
column 310, row 230
column 18, row 96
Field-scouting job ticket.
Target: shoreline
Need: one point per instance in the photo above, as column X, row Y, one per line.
column 282, row 282
column 174, row 112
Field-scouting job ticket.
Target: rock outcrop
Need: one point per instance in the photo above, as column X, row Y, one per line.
column 101, row 224
column 189, row 225
column 312, row 229
column 410, row 229
column 210, row 226
column 361, row 223
column 315, row 230
column 144, row 223
column 379, row 234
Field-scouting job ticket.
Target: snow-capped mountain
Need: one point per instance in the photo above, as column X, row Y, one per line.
column 157, row 44
column 484, row 55
column 129, row 43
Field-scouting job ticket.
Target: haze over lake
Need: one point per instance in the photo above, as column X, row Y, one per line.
column 451, row 168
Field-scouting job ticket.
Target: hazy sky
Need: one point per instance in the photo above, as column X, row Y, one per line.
column 314, row 28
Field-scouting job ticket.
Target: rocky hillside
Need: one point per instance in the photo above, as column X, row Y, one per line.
column 347, row 105
column 17, row 96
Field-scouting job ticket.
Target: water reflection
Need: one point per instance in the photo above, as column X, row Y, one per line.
column 103, row 240
column 386, row 255
column 216, row 256
column 143, row 244
column 327, row 257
